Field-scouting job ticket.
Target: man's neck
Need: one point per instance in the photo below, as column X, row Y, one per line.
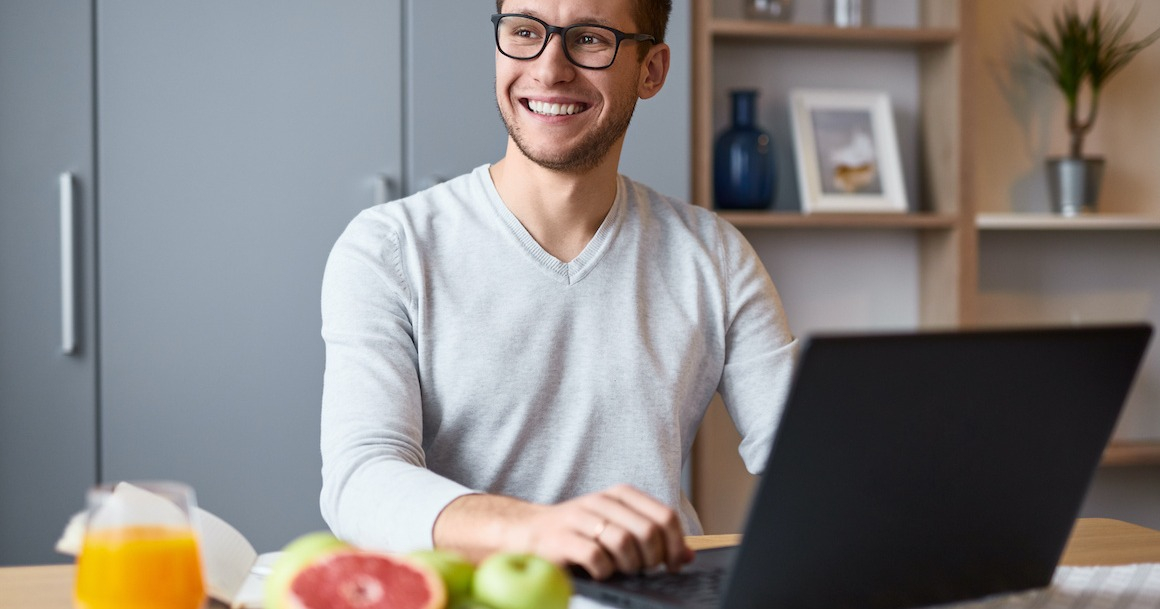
column 562, row 211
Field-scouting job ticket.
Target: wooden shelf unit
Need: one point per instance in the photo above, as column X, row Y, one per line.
column 944, row 225
column 947, row 226
column 948, row 237
column 1054, row 222
column 767, row 219
column 740, row 29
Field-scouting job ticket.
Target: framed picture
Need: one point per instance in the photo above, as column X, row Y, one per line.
column 846, row 152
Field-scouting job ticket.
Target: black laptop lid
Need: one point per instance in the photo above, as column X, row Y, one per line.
column 924, row 468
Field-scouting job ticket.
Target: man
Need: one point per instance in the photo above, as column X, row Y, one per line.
column 518, row 359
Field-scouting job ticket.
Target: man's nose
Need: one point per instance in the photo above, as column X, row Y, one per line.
column 553, row 65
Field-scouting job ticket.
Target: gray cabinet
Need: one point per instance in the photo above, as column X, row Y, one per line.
column 449, row 103
column 219, row 149
column 235, row 141
column 47, row 415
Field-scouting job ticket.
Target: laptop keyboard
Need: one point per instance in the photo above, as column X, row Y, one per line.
column 695, row 588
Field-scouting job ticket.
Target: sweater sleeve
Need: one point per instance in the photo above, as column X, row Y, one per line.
column 760, row 349
column 376, row 489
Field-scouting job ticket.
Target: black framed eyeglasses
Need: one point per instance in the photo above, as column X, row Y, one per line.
column 587, row 45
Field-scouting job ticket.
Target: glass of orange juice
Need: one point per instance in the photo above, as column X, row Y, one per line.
column 140, row 549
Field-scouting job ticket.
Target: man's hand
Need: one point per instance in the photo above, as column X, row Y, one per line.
column 618, row 529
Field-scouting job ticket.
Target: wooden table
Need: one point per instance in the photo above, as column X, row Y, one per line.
column 1094, row 541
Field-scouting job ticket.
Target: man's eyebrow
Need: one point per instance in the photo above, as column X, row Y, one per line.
column 585, row 20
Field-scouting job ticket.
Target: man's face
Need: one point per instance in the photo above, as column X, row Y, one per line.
column 595, row 106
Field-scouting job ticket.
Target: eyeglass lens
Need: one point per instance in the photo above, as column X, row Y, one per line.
column 588, row 46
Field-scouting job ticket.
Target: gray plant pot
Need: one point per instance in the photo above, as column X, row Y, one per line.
column 1074, row 184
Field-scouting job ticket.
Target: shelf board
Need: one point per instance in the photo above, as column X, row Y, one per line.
column 1122, row 453
column 768, row 219
column 773, row 31
column 1015, row 221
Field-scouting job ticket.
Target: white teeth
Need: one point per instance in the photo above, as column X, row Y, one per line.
column 549, row 109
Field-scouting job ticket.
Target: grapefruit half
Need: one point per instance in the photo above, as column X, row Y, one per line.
column 366, row 580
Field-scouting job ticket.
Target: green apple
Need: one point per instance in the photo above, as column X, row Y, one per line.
column 468, row 603
column 456, row 571
column 521, row 581
column 297, row 554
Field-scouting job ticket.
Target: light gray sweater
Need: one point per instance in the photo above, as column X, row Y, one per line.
column 461, row 357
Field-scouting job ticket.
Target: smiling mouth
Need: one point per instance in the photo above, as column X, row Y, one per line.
column 551, row 109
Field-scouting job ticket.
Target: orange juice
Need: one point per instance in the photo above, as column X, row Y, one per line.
column 139, row 567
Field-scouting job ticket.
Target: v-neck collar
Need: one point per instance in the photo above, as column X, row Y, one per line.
column 579, row 267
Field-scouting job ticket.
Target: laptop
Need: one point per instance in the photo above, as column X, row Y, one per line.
column 915, row 469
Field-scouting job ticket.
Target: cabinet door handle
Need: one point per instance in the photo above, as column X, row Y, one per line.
column 68, row 287
column 385, row 189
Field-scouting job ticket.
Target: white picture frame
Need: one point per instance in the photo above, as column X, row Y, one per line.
column 846, row 152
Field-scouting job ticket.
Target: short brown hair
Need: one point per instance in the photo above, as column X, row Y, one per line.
column 651, row 16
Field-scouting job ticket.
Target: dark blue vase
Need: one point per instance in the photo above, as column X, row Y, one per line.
column 744, row 174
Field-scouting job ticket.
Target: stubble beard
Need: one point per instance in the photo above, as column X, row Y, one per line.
column 584, row 156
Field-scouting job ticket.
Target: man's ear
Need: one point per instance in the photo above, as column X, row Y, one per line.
column 653, row 71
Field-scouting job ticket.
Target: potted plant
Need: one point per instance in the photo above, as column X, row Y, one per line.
column 1081, row 54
